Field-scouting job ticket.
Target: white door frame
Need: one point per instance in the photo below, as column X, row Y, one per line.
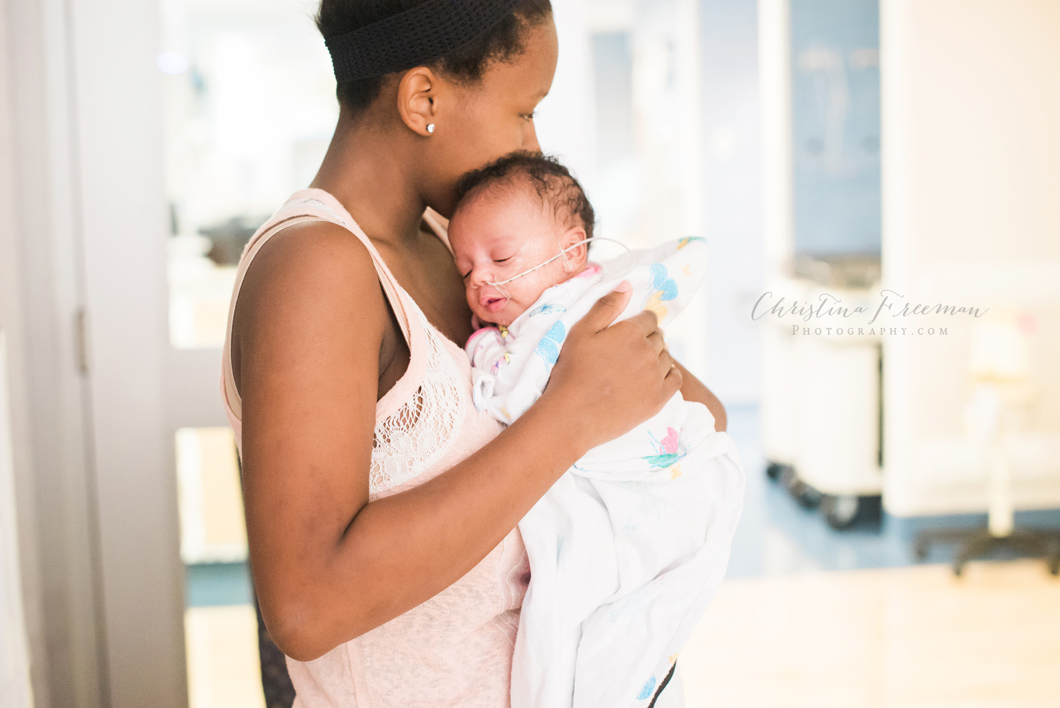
column 106, row 390
column 124, row 229
column 40, row 301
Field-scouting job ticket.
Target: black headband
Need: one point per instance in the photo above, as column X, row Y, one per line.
column 423, row 33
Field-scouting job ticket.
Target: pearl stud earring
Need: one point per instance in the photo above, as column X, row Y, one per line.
column 430, row 127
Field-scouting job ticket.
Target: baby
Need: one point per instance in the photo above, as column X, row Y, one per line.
column 516, row 213
column 630, row 545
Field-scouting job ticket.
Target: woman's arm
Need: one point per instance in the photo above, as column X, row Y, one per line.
column 692, row 389
column 328, row 566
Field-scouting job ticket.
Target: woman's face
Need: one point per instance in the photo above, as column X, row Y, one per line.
column 479, row 122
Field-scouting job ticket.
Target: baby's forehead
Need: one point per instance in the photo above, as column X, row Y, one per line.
column 503, row 214
column 511, row 195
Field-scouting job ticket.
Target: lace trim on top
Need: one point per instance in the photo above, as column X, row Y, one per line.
column 412, row 438
column 413, row 430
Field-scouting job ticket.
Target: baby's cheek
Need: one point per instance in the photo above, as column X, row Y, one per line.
column 535, row 288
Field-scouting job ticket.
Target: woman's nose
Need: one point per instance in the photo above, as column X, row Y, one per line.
column 530, row 141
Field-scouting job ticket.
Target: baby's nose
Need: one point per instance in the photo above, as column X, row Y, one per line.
column 479, row 277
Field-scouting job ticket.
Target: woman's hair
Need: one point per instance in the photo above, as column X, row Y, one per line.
column 337, row 17
column 553, row 184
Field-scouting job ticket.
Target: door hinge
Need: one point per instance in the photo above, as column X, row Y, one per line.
column 81, row 341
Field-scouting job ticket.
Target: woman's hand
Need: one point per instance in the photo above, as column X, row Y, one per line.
column 330, row 566
column 692, row 389
column 610, row 377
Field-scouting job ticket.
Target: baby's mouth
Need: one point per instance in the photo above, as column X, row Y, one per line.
column 494, row 303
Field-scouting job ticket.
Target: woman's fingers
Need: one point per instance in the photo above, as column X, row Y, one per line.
column 624, row 365
column 666, row 363
column 672, row 376
column 657, row 341
column 673, row 381
column 607, row 308
column 647, row 321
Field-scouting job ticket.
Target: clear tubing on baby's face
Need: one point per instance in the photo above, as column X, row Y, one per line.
column 500, row 284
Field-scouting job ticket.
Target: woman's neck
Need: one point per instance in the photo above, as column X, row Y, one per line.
column 366, row 174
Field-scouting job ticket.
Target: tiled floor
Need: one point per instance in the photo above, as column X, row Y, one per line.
column 222, row 650
column 888, row 638
column 884, row 638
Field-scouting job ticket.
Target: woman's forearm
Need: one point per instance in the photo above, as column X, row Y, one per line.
column 330, row 565
column 692, row 389
column 400, row 551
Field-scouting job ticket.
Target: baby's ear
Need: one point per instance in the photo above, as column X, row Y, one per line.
column 578, row 255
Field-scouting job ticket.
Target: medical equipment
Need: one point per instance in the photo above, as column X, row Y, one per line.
column 499, row 285
column 1002, row 391
column 822, row 403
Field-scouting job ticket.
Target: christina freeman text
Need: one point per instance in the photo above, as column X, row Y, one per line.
column 891, row 305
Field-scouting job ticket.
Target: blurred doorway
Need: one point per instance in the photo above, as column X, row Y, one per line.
column 232, row 73
column 185, row 145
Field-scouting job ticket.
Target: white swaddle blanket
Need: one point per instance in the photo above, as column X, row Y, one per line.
column 630, row 545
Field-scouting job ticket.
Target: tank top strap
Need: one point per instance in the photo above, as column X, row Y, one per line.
column 439, row 225
column 309, row 205
column 316, row 204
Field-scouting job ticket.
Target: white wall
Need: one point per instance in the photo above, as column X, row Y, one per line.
column 123, row 227
column 564, row 120
column 15, row 686
column 731, row 131
column 971, row 174
column 19, row 573
column 39, row 300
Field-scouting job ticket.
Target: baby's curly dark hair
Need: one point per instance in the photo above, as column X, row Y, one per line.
column 553, row 183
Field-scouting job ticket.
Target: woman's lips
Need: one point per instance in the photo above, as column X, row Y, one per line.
column 495, row 303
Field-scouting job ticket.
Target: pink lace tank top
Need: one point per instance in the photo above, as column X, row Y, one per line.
column 456, row 648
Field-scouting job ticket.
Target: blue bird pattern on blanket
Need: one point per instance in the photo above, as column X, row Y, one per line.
column 646, row 692
column 663, row 288
column 546, row 309
column 548, row 347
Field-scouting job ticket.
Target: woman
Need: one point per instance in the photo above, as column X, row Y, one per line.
column 386, row 582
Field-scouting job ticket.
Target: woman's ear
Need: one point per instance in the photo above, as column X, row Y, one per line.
column 415, row 95
column 577, row 256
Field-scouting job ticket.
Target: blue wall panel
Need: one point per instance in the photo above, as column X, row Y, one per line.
column 836, row 126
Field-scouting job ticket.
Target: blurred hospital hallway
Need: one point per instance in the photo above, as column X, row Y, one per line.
column 878, row 154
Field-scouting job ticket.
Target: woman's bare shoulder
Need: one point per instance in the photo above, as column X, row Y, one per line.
column 314, row 246
column 311, row 282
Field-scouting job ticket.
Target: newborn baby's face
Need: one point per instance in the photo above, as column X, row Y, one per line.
column 500, row 234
